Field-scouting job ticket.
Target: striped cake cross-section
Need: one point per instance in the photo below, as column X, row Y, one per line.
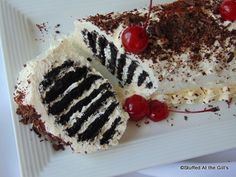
column 116, row 62
column 128, row 71
column 75, row 104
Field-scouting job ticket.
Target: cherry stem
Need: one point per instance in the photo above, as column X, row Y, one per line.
column 149, row 14
column 214, row 109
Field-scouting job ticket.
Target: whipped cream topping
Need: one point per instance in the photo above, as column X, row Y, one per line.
column 177, row 70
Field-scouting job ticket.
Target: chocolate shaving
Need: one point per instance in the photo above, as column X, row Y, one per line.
column 58, row 147
column 231, row 57
column 42, row 27
column 30, row 116
column 182, row 25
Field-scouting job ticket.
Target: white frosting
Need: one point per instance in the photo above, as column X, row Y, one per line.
column 28, row 83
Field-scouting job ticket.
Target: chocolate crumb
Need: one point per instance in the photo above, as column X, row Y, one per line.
column 185, row 118
column 189, row 2
column 146, row 122
column 36, row 131
column 215, row 109
column 228, row 102
column 58, row 147
column 58, row 25
column 42, row 27
column 204, row 73
column 89, row 59
column 218, row 114
column 231, row 57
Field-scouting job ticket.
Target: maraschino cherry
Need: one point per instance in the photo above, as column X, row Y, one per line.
column 135, row 38
column 228, row 10
column 158, row 110
column 137, row 107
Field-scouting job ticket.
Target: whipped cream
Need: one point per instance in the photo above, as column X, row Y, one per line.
column 177, row 76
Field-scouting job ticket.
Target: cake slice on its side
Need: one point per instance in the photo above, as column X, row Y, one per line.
column 134, row 75
column 68, row 102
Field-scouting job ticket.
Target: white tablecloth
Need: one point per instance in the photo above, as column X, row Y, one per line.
column 216, row 165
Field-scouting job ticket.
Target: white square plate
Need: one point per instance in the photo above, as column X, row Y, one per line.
column 151, row 144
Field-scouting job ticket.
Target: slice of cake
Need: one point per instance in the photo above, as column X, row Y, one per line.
column 68, row 102
column 190, row 56
column 132, row 74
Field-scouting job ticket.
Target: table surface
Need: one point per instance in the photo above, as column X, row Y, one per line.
column 218, row 165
